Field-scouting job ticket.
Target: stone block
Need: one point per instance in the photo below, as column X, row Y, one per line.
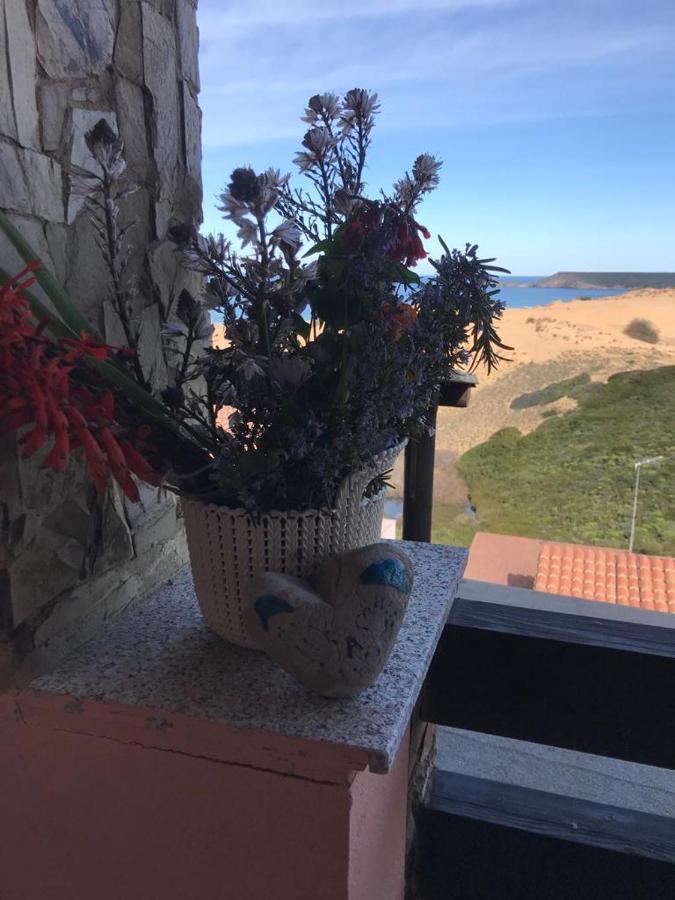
column 159, row 60
column 54, row 99
column 115, row 546
column 13, row 191
column 156, row 532
column 79, row 615
column 154, row 503
column 130, row 107
column 38, row 576
column 75, row 38
column 72, row 520
column 128, row 59
column 88, row 280
column 31, row 183
column 150, row 350
column 56, row 242
column 188, row 42
column 34, row 232
column 20, row 59
column 85, row 602
column 7, row 123
column 166, row 273
column 42, row 489
column 192, row 133
column 45, row 185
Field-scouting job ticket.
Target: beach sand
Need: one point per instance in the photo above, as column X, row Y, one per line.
column 555, row 342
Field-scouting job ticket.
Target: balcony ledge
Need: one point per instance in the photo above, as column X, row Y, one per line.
column 159, row 677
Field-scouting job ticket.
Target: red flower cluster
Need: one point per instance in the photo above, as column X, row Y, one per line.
column 407, row 246
column 367, row 220
column 37, row 388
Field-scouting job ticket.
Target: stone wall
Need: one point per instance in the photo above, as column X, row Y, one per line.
column 67, row 559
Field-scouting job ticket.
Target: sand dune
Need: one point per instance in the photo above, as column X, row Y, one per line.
column 552, row 343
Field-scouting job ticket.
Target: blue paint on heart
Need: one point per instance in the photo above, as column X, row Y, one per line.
column 388, row 573
column 268, row 606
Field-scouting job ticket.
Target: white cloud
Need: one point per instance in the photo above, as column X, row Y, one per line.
column 244, row 16
column 434, row 62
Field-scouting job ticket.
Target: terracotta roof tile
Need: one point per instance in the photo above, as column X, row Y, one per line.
column 610, row 576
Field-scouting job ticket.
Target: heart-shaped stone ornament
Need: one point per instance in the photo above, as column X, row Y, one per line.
column 335, row 631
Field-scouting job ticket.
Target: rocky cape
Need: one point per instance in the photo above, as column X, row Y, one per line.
column 584, row 281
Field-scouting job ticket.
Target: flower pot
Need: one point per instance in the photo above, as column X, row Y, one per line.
column 229, row 546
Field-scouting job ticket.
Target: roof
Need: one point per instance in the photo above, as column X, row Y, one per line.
column 612, row 576
column 575, row 570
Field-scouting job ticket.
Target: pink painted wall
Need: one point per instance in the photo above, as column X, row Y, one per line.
column 377, row 831
column 96, row 818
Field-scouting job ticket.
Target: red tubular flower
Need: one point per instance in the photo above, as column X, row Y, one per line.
column 353, row 234
column 137, row 464
column 36, row 389
column 85, row 346
column 118, row 465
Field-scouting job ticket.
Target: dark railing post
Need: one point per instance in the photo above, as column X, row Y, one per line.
column 418, row 486
column 418, row 478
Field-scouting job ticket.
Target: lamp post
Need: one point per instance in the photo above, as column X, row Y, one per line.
column 650, row 460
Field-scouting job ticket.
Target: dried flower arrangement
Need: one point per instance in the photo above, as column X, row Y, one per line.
column 335, row 348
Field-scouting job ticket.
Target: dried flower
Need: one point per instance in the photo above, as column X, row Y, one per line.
column 287, row 233
column 107, row 148
column 244, row 186
column 322, row 107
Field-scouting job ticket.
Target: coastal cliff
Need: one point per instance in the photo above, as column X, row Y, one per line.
column 584, row 281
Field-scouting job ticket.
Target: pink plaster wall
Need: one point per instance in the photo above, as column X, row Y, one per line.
column 379, row 806
column 89, row 817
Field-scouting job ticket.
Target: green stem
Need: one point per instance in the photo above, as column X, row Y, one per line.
column 64, row 306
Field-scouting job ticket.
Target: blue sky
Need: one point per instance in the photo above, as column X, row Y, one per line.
column 555, row 118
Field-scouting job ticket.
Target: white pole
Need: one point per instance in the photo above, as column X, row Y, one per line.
column 635, row 503
column 650, row 460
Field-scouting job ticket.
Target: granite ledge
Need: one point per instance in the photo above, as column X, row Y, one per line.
column 160, row 656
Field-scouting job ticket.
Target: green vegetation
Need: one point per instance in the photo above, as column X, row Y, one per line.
column 553, row 392
column 642, row 330
column 451, row 524
column 572, row 478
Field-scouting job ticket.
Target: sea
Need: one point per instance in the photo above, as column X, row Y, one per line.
column 517, row 293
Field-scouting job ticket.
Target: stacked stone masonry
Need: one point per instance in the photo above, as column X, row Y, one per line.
column 67, row 560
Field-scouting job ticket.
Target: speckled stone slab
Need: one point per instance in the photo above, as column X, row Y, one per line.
column 160, row 655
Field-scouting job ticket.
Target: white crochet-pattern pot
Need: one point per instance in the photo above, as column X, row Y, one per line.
column 229, row 546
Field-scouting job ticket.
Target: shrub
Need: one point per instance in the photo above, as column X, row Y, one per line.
column 642, row 330
column 551, row 393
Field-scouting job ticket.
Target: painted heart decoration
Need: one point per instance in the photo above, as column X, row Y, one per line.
column 335, row 631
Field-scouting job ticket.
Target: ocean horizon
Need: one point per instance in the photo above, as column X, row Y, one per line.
column 516, row 293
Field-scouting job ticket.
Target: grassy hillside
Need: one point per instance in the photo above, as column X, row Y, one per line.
column 572, row 478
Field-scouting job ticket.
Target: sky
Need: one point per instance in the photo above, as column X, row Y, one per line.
column 555, row 118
